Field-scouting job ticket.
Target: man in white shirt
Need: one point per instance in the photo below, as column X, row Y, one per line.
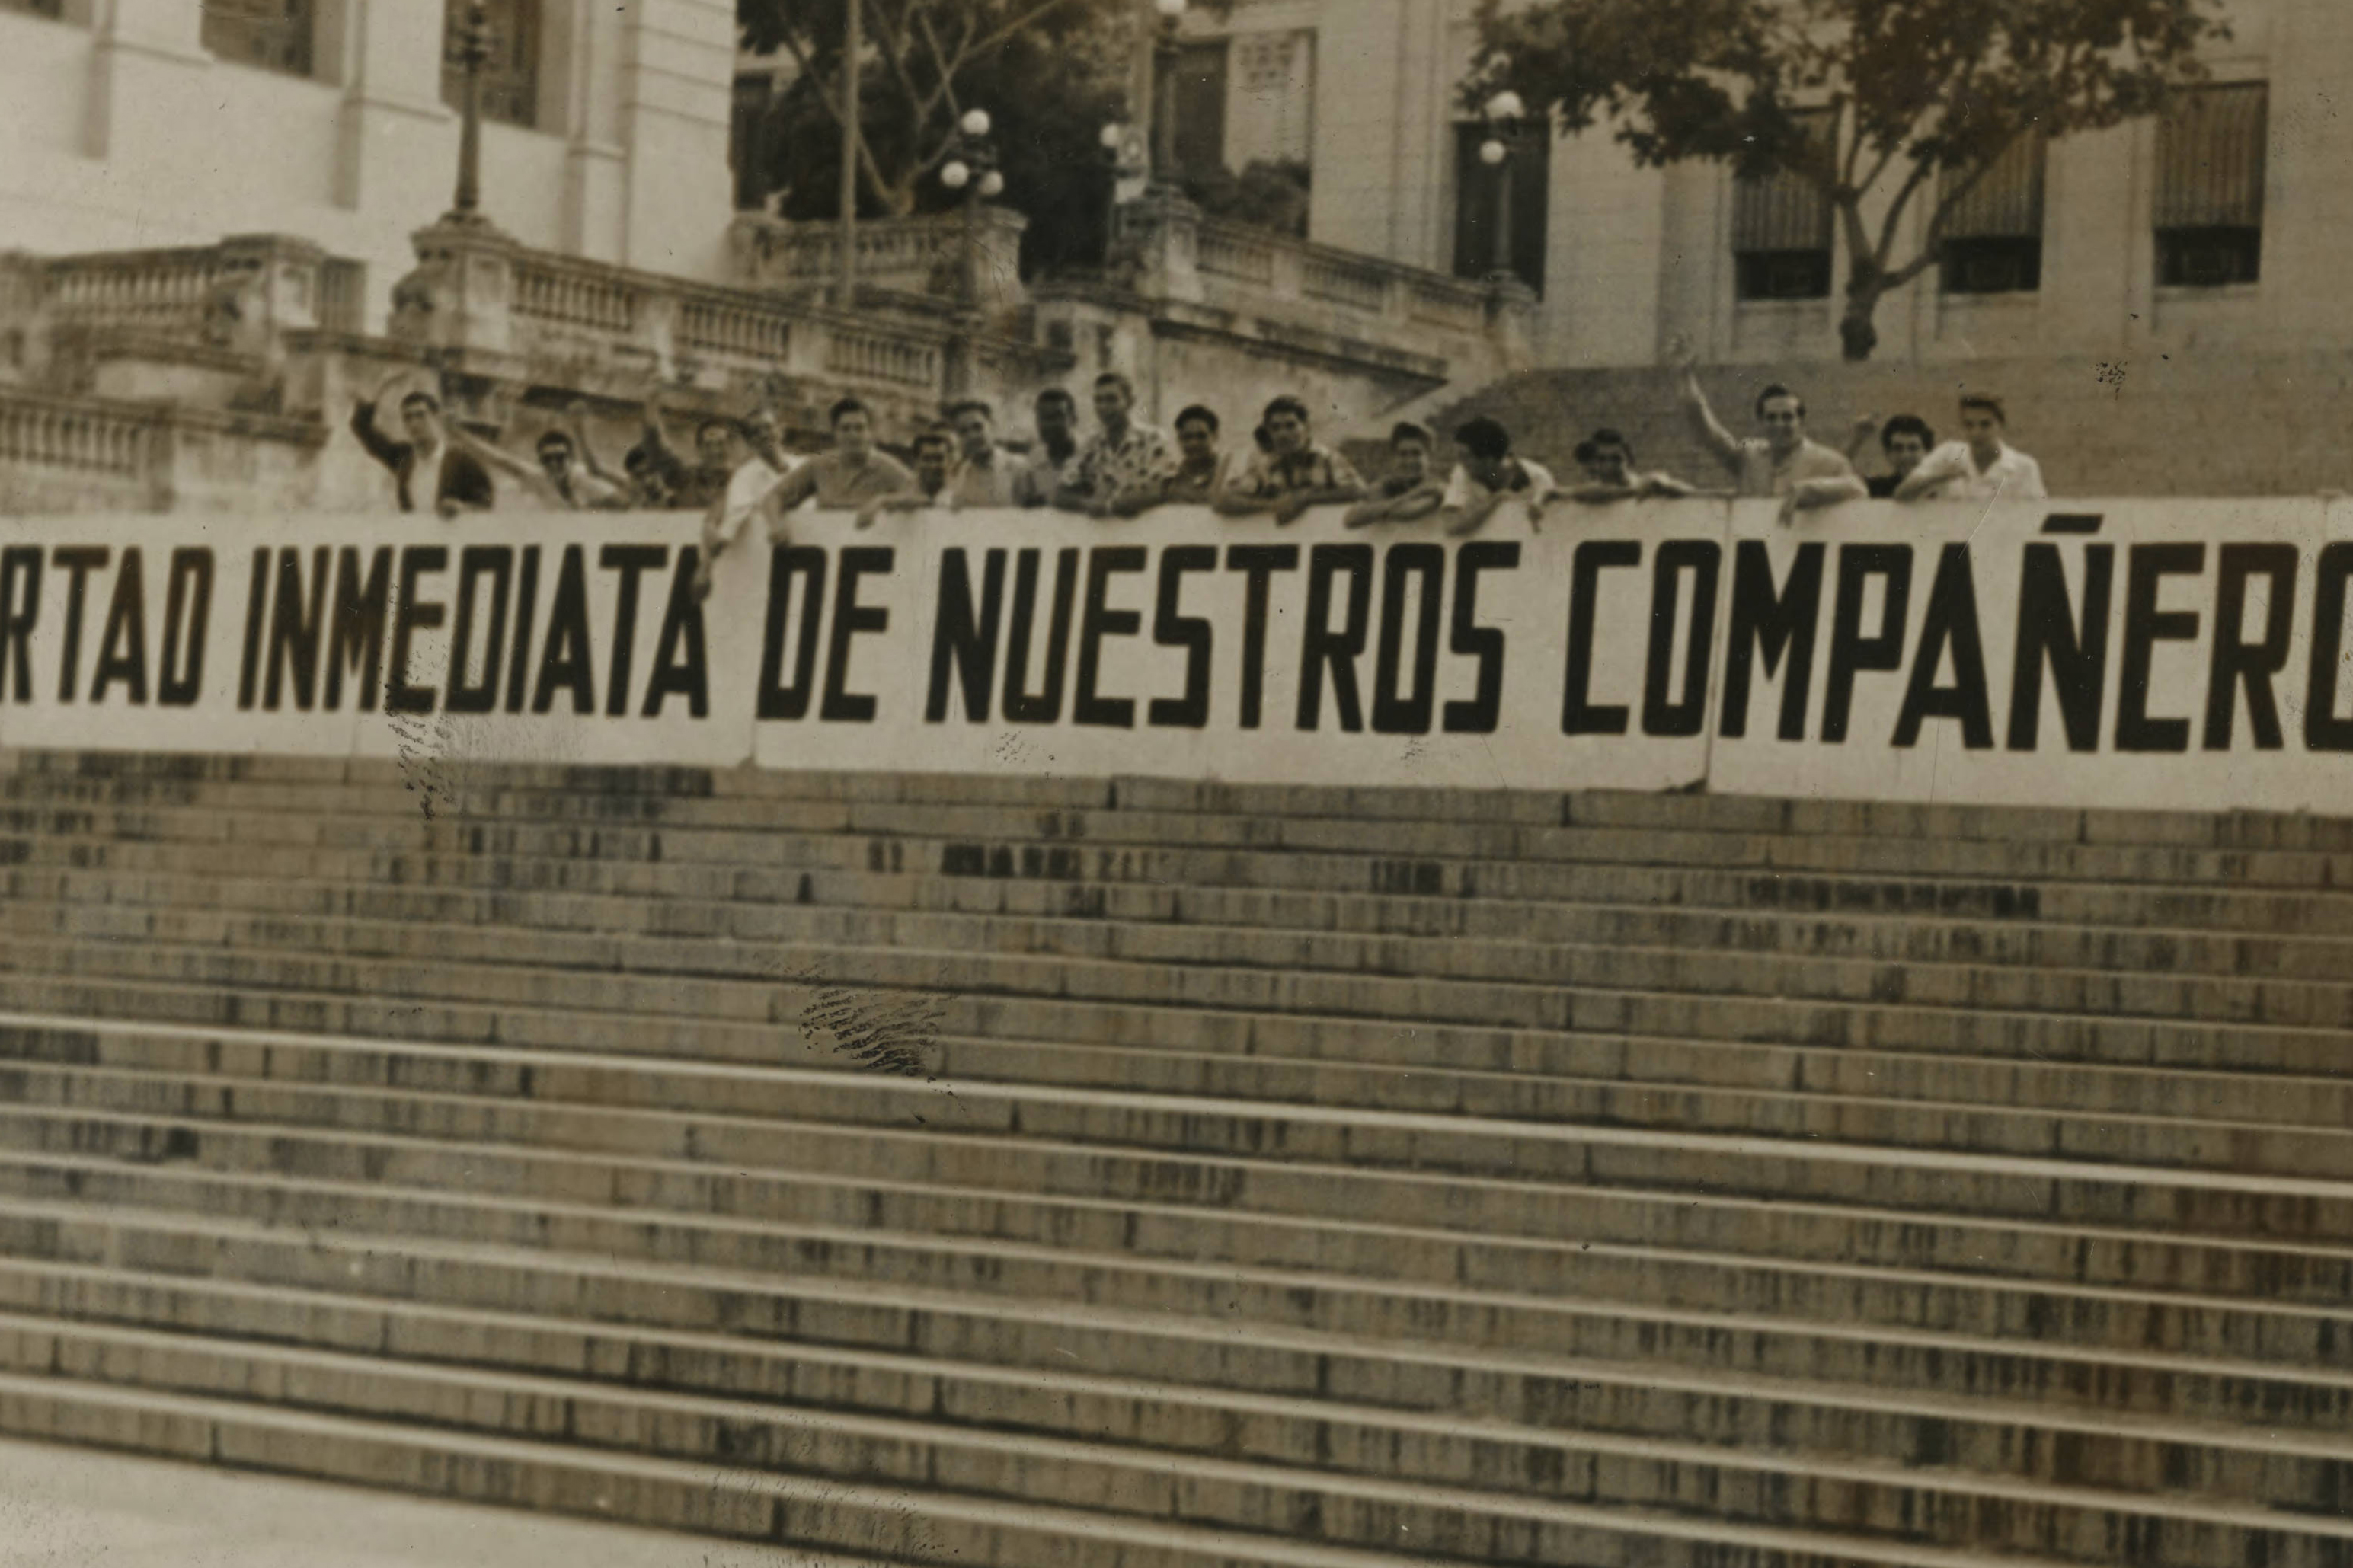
column 1488, row 476
column 1979, row 466
column 764, row 465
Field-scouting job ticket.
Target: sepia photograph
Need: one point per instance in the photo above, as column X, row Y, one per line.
column 1175, row 784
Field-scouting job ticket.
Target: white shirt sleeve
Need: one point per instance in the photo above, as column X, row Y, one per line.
column 2029, row 485
column 747, row 488
column 1458, row 490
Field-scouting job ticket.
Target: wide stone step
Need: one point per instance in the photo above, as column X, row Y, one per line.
column 1862, row 1122
column 724, row 945
column 780, row 860
column 1906, row 939
column 266, row 1001
column 1592, row 1293
column 1772, row 1418
column 944, row 832
column 751, row 982
column 1756, row 1383
column 1621, row 808
column 1511, row 1489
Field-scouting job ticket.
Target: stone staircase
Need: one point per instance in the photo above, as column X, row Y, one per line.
column 1151, row 1174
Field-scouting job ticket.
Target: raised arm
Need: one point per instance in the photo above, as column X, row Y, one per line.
column 374, row 442
column 1701, row 416
column 576, row 425
column 526, row 474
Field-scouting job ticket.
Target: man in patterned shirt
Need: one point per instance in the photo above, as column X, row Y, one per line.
column 1126, row 467
column 1295, row 472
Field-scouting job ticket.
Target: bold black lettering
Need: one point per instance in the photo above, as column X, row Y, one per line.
column 2254, row 664
column 413, row 616
column 2048, row 630
column 296, row 622
column 475, row 563
column 964, row 640
column 187, row 615
column 2323, row 729
column 1471, row 640
column 1045, row 706
column 357, row 641
column 79, row 561
column 526, row 622
column 1260, row 561
column 257, row 605
column 681, row 655
column 1662, row 715
column 1578, row 715
column 2145, row 627
column 1191, row 633
column 1850, row 651
column 20, row 610
column 1771, row 623
column 786, row 563
column 1321, row 648
column 842, row 705
column 1394, row 714
column 630, row 561
column 122, row 649
column 1101, row 621
column 1950, row 622
column 565, row 659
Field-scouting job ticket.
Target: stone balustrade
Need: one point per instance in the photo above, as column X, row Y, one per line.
column 501, row 313
column 73, row 437
column 221, row 294
column 1245, row 270
column 910, row 255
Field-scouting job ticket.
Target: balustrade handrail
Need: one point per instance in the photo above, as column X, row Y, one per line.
column 1231, row 231
column 74, row 433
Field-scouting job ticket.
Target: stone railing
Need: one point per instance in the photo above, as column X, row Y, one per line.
column 1457, row 330
column 221, row 294
column 78, row 455
column 495, row 308
column 912, row 254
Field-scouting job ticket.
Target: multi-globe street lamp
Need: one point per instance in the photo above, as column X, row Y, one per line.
column 971, row 168
column 1503, row 113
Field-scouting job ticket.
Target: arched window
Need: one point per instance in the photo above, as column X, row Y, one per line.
column 510, row 77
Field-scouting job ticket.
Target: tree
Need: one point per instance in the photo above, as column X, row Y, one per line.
column 1927, row 94
column 1034, row 64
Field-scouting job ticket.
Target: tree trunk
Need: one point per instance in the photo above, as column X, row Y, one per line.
column 1857, row 335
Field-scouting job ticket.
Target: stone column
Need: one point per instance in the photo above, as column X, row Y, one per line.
column 146, row 69
column 677, row 81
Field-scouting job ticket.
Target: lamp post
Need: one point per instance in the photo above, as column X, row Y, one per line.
column 1503, row 113
column 972, row 169
column 470, row 52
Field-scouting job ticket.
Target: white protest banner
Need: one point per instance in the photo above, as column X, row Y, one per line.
column 2153, row 653
column 2185, row 655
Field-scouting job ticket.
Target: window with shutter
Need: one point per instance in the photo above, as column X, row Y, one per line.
column 1781, row 228
column 2210, row 157
column 1993, row 233
column 510, row 76
column 272, row 34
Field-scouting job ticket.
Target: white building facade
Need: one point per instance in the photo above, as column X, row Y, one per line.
column 140, row 123
column 2223, row 225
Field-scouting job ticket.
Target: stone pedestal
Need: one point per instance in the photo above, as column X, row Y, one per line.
column 1512, row 319
column 461, row 293
column 1156, row 246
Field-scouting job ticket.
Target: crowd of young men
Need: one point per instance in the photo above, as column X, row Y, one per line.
column 740, row 471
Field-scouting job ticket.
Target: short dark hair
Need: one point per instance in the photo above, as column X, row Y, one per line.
column 1199, row 413
column 1265, row 442
column 843, row 410
column 1906, row 425
column 1407, row 430
column 1986, row 401
column 421, row 395
column 979, row 405
column 1061, row 394
column 1115, row 378
column 937, row 436
column 1593, row 444
column 1777, row 390
column 1484, row 437
column 548, row 438
column 1289, row 404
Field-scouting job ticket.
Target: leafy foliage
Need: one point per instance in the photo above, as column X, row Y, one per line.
column 1922, row 88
